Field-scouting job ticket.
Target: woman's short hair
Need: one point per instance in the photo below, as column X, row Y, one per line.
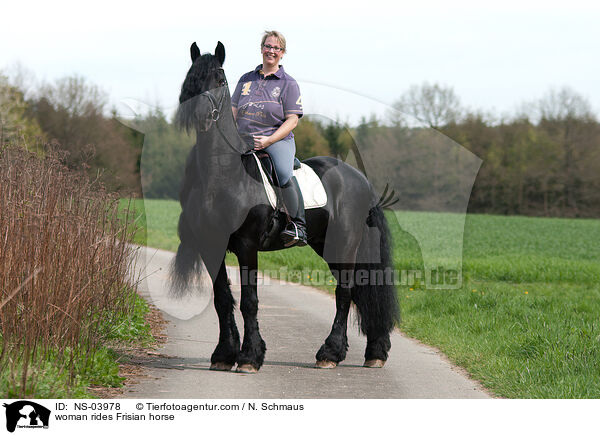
column 276, row 34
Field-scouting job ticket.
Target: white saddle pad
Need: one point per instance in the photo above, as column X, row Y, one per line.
column 310, row 184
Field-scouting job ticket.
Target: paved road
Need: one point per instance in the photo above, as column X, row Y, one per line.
column 294, row 321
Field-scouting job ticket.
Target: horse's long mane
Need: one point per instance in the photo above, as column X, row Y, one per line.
column 194, row 84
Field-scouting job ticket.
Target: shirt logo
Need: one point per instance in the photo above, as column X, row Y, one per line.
column 275, row 92
column 246, row 88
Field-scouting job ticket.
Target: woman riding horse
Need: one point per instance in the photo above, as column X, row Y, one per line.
column 224, row 207
column 266, row 104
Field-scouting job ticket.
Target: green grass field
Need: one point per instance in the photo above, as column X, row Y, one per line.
column 525, row 322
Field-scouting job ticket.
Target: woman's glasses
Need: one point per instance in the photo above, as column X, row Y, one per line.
column 268, row 47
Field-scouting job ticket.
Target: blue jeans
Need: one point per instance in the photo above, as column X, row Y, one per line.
column 282, row 153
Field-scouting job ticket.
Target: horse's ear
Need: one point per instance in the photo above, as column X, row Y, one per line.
column 195, row 52
column 220, row 53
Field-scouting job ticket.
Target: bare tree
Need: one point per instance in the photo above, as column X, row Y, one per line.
column 564, row 105
column 435, row 105
column 75, row 96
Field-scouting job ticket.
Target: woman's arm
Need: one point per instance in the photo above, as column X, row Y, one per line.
column 261, row 142
column 234, row 110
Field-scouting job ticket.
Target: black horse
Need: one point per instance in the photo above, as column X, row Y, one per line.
column 225, row 208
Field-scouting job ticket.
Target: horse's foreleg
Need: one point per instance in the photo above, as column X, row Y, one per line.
column 227, row 350
column 336, row 344
column 252, row 355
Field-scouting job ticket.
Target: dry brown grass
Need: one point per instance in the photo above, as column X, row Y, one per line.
column 64, row 258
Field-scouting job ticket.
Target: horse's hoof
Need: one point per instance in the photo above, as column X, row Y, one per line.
column 246, row 368
column 221, row 366
column 374, row 363
column 326, row 364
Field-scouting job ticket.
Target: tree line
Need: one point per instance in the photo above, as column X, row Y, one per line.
column 69, row 117
column 542, row 161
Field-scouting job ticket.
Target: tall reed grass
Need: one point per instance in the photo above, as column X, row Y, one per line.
column 64, row 259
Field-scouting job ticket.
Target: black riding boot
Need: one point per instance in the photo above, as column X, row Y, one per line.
column 294, row 233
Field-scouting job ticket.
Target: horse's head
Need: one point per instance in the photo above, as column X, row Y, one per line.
column 203, row 91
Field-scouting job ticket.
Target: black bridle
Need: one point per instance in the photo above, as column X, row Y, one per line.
column 217, row 109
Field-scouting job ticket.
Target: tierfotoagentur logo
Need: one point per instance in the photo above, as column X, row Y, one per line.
column 25, row 414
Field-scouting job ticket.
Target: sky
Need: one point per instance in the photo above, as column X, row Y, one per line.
column 351, row 59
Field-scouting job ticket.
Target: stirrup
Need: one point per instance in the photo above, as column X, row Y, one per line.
column 292, row 238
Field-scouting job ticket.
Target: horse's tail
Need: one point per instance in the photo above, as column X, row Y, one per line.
column 374, row 292
column 187, row 263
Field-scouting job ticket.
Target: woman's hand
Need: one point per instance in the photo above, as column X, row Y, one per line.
column 261, row 142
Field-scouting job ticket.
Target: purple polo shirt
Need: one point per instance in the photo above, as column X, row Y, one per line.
column 264, row 102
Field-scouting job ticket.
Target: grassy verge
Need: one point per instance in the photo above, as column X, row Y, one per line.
column 526, row 320
column 49, row 376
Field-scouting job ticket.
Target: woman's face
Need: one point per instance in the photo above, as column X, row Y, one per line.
column 270, row 56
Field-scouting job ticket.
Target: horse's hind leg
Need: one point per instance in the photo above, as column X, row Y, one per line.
column 340, row 253
column 227, row 350
column 336, row 344
column 376, row 353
